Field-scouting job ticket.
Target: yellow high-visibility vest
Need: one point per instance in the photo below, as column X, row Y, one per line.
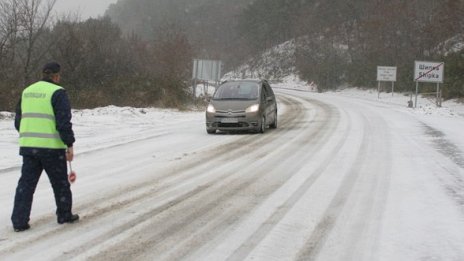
column 38, row 123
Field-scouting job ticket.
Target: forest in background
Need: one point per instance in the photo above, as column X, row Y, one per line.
column 140, row 53
column 100, row 65
column 338, row 42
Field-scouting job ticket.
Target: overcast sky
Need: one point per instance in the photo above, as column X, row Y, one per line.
column 86, row 8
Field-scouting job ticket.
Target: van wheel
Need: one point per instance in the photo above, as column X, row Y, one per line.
column 274, row 124
column 262, row 127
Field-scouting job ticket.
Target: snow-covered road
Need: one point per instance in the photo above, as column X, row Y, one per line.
column 341, row 178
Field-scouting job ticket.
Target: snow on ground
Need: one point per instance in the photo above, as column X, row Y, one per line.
column 293, row 82
column 345, row 176
column 99, row 128
column 425, row 106
column 447, row 118
column 205, row 90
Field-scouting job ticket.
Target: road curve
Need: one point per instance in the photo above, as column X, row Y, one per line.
column 316, row 188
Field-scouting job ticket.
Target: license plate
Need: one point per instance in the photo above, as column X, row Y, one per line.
column 229, row 120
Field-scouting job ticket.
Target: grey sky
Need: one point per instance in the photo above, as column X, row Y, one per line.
column 86, row 8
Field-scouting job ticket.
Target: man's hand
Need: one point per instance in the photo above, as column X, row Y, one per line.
column 70, row 154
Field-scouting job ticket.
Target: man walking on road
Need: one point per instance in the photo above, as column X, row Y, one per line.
column 43, row 119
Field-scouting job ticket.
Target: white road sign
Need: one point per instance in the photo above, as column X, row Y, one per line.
column 386, row 74
column 429, row 71
column 207, row 70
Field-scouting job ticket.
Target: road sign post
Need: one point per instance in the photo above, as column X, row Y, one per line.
column 431, row 72
column 386, row 74
column 206, row 70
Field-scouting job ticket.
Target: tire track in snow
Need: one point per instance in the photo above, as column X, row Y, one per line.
column 323, row 228
column 117, row 200
column 354, row 199
column 268, row 223
column 454, row 183
column 288, row 172
column 359, row 237
column 244, row 182
column 445, row 147
column 281, row 231
column 117, row 205
column 213, row 226
column 196, row 218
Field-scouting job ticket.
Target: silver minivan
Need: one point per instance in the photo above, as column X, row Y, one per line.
column 242, row 105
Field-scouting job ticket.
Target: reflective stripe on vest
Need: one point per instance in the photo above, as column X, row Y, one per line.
column 37, row 115
column 39, row 135
column 38, row 124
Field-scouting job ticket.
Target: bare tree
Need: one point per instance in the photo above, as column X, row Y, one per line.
column 9, row 26
column 8, row 29
column 34, row 17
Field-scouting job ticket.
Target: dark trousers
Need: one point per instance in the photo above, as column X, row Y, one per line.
column 55, row 166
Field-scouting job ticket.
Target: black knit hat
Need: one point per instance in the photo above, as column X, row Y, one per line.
column 52, row 67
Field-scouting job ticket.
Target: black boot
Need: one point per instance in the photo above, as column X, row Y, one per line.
column 22, row 228
column 70, row 219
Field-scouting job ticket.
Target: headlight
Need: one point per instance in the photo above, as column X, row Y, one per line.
column 211, row 109
column 253, row 108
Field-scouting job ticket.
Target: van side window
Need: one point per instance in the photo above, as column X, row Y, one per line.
column 268, row 90
column 263, row 93
column 265, row 90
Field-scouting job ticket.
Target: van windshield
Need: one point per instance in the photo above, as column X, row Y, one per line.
column 237, row 91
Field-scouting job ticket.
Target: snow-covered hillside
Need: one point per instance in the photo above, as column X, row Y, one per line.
column 274, row 64
column 453, row 45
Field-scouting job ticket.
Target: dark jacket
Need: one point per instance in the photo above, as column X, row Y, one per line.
column 62, row 109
